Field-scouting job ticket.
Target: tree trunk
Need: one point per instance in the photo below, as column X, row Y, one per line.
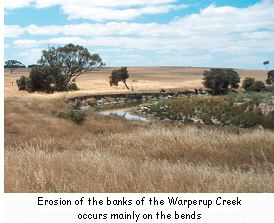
column 126, row 85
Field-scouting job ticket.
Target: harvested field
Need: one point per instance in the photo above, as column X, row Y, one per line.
column 142, row 79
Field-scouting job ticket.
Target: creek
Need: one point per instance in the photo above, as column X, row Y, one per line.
column 126, row 113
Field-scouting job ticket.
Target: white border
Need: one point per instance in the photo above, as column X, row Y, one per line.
column 23, row 207
column 254, row 208
column 2, row 110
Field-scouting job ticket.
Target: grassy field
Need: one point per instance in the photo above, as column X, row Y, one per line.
column 140, row 78
column 243, row 110
column 44, row 153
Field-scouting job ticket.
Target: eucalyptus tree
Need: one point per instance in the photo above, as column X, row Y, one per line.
column 13, row 65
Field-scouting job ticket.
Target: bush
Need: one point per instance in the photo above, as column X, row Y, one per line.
column 258, row 86
column 78, row 117
column 72, row 87
column 255, row 97
column 219, row 80
column 76, row 104
column 270, row 77
column 46, row 79
column 213, row 110
column 22, row 83
column 248, row 83
column 270, row 88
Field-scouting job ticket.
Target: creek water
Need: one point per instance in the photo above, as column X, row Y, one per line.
column 124, row 113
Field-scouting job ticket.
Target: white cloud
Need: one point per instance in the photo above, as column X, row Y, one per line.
column 228, row 19
column 30, row 43
column 32, row 52
column 102, row 3
column 89, row 30
column 26, row 43
column 13, row 31
column 210, row 21
column 13, row 4
column 214, row 31
column 30, row 55
column 106, row 13
column 103, row 9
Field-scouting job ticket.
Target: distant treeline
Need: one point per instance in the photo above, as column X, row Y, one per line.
column 22, row 66
column 15, row 66
column 32, row 65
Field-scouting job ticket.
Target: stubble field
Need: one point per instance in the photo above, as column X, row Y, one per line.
column 141, row 79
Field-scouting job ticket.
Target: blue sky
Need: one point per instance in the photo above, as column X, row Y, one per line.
column 145, row 33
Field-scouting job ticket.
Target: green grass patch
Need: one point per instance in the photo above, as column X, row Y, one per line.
column 220, row 110
column 255, row 97
column 78, row 117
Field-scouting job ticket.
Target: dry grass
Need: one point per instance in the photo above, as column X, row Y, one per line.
column 141, row 79
column 47, row 154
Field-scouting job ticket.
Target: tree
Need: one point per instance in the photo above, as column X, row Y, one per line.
column 46, row 79
column 258, row 86
column 270, row 77
column 13, row 65
column 73, row 60
column 248, row 83
column 219, row 80
column 119, row 75
column 33, row 65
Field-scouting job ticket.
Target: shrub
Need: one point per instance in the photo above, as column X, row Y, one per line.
column 213, row 110
column 76, row 116
column 258, row 86
column 46, row 79
column 77, row 104
column 22, row 83
column 247, row 83
column 72, row 87
column 219, row 80
column 255, row 97
column 270, row 88
column 270, row 77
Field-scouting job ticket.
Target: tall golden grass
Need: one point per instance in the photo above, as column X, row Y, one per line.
column 44, row 153
column 47, row 154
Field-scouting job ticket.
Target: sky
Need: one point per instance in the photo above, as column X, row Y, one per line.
column 231, row 33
